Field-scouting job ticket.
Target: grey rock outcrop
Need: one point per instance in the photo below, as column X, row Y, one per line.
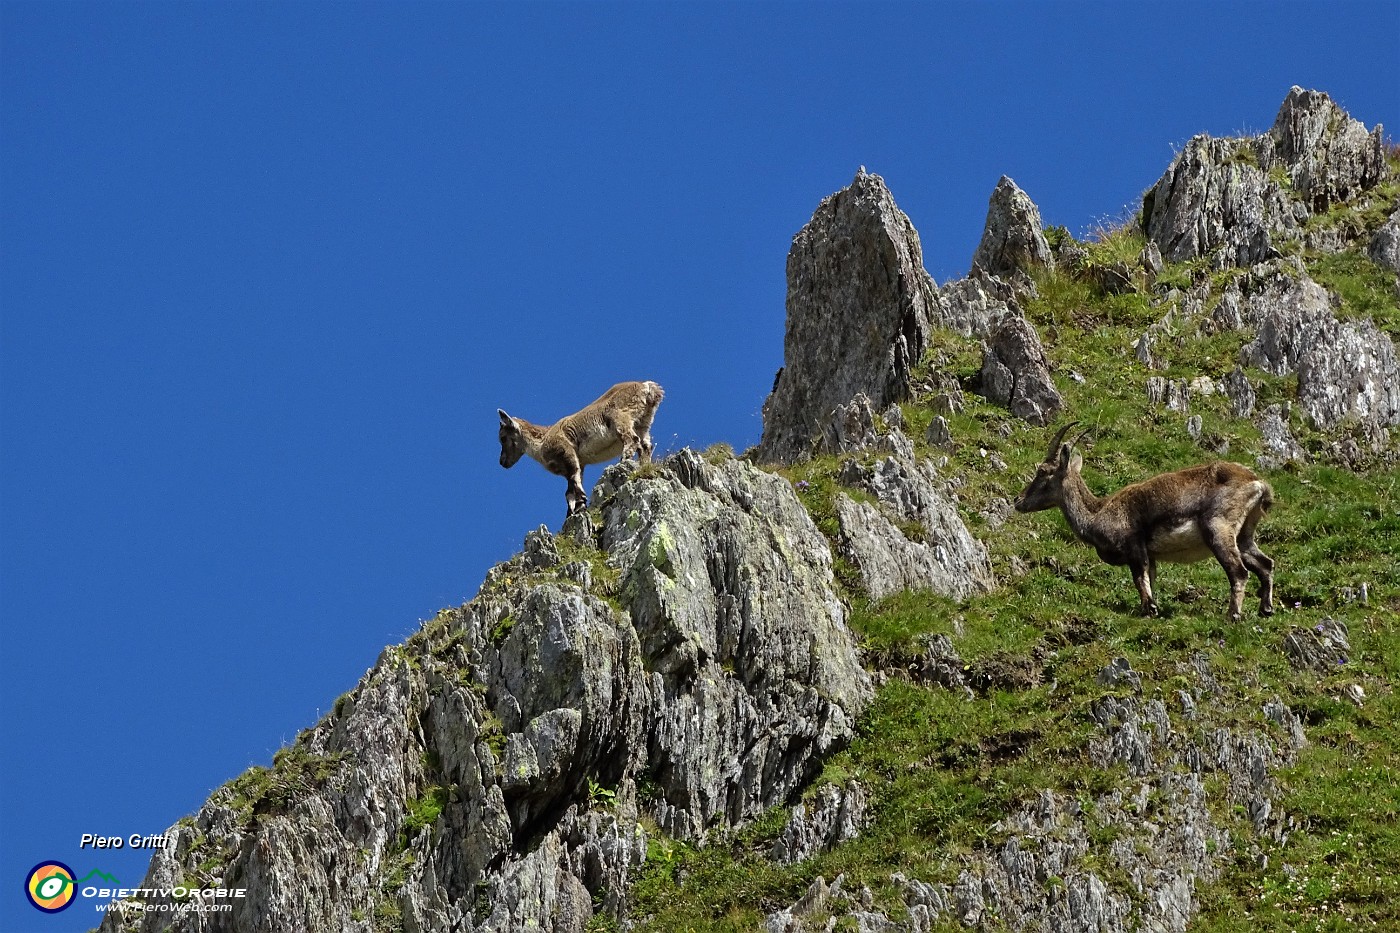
column 1013, row 240
column 1214, row 197
column 705, row 599
column 832, row 816
column 1348, row 371
column 1384, row 247
column 1288, row 314
column 491, row 774
column 1240, row 392
column 855, row 426
column 939, row 433
column 1016, row 372
column 1328, row 156
column 969, row 306
column 1171, row 394
column 859, row 313
column 1223, row 198
column 1324, row 647
column 1276, row 438
column 937, row 553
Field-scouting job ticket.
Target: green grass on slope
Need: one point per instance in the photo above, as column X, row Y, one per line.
column 1366, row 289
column 942, row 768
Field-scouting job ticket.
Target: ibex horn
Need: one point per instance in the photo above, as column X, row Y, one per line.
column 1055, row 444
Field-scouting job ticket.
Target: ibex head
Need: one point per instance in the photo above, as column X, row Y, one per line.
column 1046, row 488
column 512, row 441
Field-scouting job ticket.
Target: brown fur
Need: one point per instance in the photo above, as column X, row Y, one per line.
column 619, row 422
column 1184, row 516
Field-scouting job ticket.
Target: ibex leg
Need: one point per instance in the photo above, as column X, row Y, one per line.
column 1259, row 563
column 1143, row 574
column 1221, row 540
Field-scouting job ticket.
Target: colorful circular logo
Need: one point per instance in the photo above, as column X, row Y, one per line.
column 50, row 887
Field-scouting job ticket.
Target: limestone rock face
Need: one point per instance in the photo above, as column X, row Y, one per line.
column 859, row 312
column 855, row 426
column 911, row 535
column 1384, row 247
column 492, row 773
column 1277, row 439
column 1328, row 156
column 1013, row 241
column 834, row 815
column 1016, row 373
column 970, row 306
column 1347, row 370
column 1240, row 393
column 1321, row 648
column 1223, row 198
column 940, row 555
column 1214, row 197
column 729, row 589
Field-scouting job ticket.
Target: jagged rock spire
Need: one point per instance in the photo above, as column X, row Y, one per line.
column 1329, row 157
column 1013, row 240
column 859, row 307
column 1224, row 197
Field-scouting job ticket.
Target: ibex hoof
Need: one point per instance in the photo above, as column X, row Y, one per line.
column 1150, row 609
column 1266, row 610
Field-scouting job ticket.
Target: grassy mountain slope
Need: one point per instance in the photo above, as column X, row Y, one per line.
column 943, row 767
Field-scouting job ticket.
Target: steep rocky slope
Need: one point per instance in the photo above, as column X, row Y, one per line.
column 847, row 688
column 493, row 772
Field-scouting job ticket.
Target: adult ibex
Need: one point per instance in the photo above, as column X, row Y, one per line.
column 618, row 423
column 1179, row 517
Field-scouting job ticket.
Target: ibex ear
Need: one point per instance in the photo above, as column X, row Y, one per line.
column 1063, row 458
column 1076, row 462
column 506, row 420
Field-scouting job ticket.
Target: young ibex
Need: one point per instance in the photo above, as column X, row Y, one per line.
column 1179, row 517
column 618, row 423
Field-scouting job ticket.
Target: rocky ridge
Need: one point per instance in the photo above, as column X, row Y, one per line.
column 502, row 770
column 678, row 662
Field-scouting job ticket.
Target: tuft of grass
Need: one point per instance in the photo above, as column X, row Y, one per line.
column 294, row 774
column 423, row 811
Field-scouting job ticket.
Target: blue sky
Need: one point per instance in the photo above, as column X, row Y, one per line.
column 267, row 270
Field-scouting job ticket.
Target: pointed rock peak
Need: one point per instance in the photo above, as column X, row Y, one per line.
column 867, row 189
column 1328, row 156
column 860, row 308
column 1304, row 118
column 1013, row 240
column 1235, row 200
